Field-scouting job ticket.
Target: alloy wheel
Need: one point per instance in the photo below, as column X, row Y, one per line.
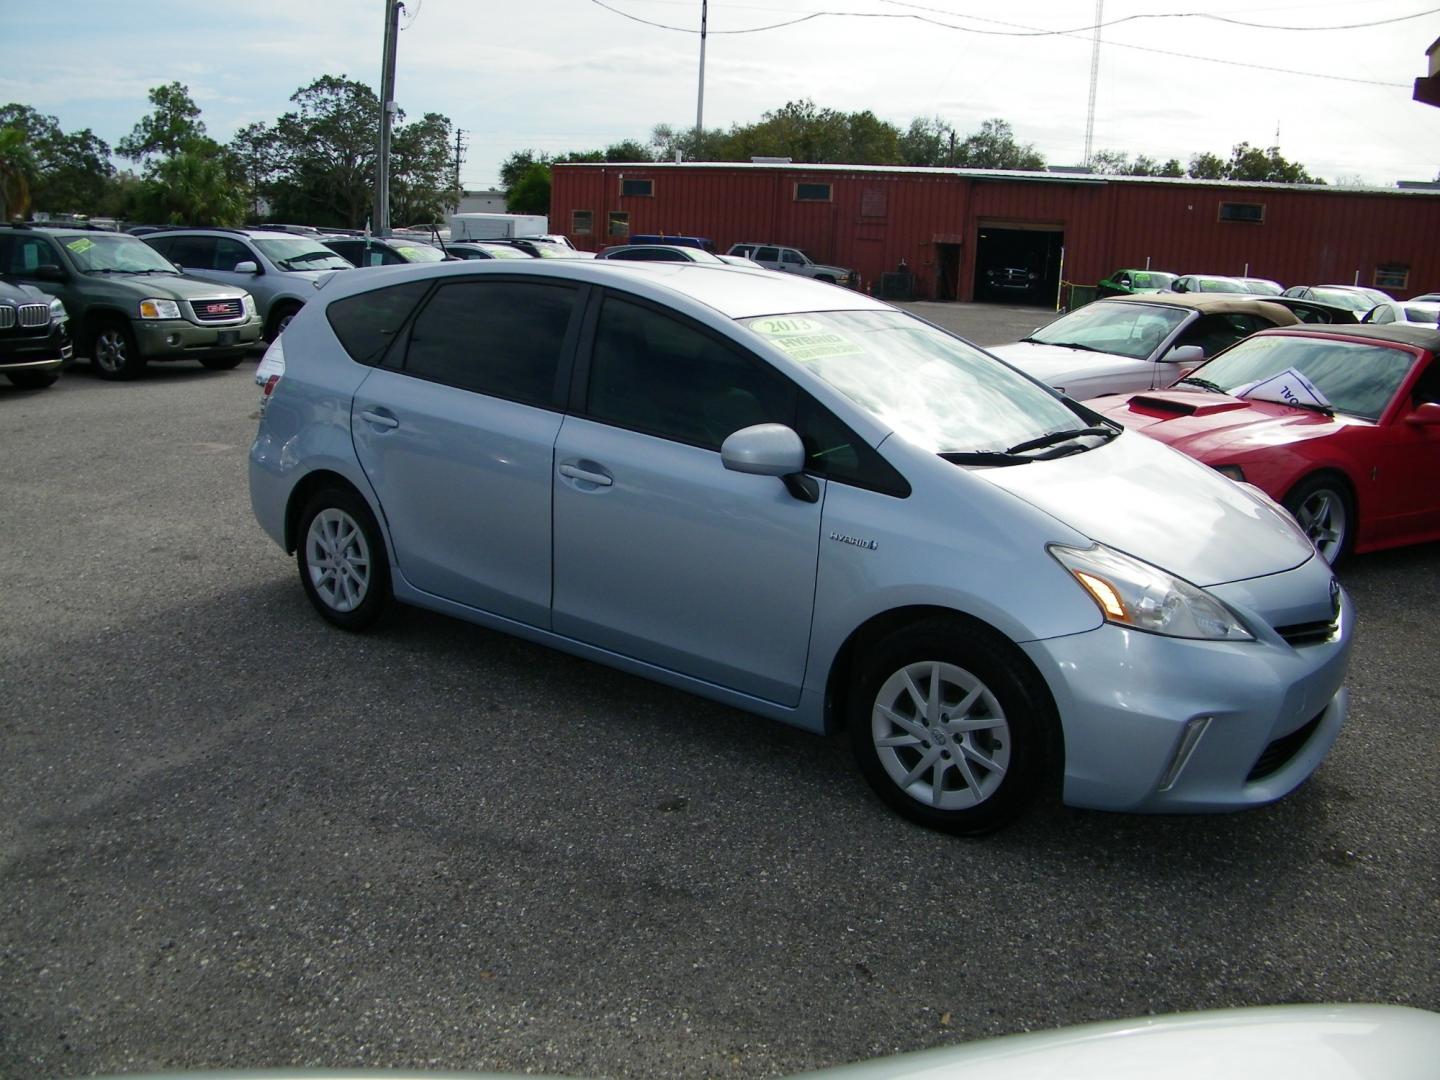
column 338, row 558
column 1323, row 518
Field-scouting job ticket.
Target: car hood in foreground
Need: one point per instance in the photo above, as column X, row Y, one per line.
column 1156, row 504
column 1316, row 1042
column 1055, row 365
column 1208, row 426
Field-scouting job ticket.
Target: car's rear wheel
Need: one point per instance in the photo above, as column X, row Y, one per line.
column 1326, row 512
column 279, row 320
column 114, row 354
column 32, row 380
column 951, row 727
column 342, row 561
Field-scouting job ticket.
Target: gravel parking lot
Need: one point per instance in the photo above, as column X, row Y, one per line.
column 231, row 835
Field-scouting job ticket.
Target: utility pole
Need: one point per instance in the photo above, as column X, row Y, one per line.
column 381, row 218
column 459, row 157
column 700, row 101
column 1094, row 79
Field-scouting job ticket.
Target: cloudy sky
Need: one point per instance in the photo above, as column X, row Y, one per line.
column 557, row 75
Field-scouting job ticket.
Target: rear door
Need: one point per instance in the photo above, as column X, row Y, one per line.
column 456, row 435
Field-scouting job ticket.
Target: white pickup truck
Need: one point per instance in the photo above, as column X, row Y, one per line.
column 792, row 260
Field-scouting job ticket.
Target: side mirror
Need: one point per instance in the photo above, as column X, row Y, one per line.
column 248, row 266
column 1184, row 354
column 763, row 450
column 1426, row 414
column 49, row 272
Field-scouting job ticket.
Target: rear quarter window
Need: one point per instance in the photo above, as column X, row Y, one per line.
column 368, row 322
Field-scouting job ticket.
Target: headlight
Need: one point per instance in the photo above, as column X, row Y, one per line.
column 57, row 311
column 159, row 309
column 249, row 305
column 1144, row 597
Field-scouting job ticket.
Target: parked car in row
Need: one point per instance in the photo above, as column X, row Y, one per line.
column 1125, row 282
column 1424, row 312
column 660, row 253
column 792, row 260
column 809, row 505
column 1130, row 343
column 1208, row 283
column 1357, row 298
column 128, row 304
column 485, row 249
column 279, row 269
column 365, row 251
column 35, row 341
column 1340, row 424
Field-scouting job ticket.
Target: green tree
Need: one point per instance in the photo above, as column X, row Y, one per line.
column 994, row 147
column 17, row 173
column 168, row 129
column 1119, row 163
column 422, row 185
column 927, row 141
column 194, row 186
column 1251, row 163
column 1206, row 166
column 72, row 171
column 530, row 194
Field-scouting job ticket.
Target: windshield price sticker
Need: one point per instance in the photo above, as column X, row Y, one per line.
column 407, row 251
column 81, row 246
column 805, row 339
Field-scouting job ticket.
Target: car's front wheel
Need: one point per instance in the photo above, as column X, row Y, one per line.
column 114, row 353
column 341, row 555
column 1325, row 511
column 951, row 727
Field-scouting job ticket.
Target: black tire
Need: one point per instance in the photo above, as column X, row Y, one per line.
column 32, row 380
column 221, row 363
column 113, row 352
column 279, row 319
column 341, row 556
column 1325, row 509
column 989, row 762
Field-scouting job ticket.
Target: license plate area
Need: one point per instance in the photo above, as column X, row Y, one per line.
column 227, row 337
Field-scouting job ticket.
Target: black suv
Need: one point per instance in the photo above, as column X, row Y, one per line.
column 34, row 336
column 128, row 303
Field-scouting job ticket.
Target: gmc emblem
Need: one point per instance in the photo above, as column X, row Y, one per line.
column 217, row 309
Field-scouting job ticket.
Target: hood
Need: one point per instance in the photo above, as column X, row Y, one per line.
column 1143, row 498
column 1057, row 366
column 14, row 292
column 1215, row 427
column 168, row 287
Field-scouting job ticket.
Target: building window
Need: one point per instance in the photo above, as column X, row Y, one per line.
column 1254, row 213
column 619, row 224
column 1392, row 276
column 579, row 222
column 637, row 187
column 812, row 192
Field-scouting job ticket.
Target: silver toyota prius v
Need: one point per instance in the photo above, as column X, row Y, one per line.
column 793, row 499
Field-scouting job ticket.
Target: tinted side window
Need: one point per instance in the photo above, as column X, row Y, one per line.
column 502, row 338
column 1215, row 332
column 767, row 254
column 652, row 373
column 367, row 322
column 229, row 253
column 791, row 257
column 196, row 252
column 162, row 244
column 835, row 452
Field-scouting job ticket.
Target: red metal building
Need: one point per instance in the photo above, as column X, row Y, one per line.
column 950, row 226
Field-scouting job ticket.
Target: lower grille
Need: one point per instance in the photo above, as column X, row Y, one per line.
column 217, row 310
column 1307, row 633
column 1278, row 754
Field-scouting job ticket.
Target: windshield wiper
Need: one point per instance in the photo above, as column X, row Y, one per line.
column 984, row 457
column 1070, row 345
column 1204, row 384
column 1060, row 437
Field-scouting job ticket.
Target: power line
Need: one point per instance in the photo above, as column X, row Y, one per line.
column 1031, row 32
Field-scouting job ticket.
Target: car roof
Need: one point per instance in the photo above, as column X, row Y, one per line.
column 732, row 291
column 1416, row 334
column 1211, row 303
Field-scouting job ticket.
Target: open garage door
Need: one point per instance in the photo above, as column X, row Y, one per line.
column 1017, row 263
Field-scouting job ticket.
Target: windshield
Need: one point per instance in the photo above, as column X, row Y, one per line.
column 1350, row 301
column 933, row 389
column 301, row 254
column 1357, row 379
column 418, row 253
column 1224, row 285
column 104, row 253
column 502, row 251
column 1124, row 329
column 554, row 251
column 1150, row 279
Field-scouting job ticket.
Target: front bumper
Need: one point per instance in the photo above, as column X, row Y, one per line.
column 178, row 339
column 1165, row 725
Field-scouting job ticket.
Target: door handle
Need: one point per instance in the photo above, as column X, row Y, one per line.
column 379, row 419
column 574, row 472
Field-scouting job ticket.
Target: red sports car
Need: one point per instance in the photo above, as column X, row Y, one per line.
column 1341, row 424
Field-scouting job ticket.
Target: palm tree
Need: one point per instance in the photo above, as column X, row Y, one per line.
column 17, row 173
